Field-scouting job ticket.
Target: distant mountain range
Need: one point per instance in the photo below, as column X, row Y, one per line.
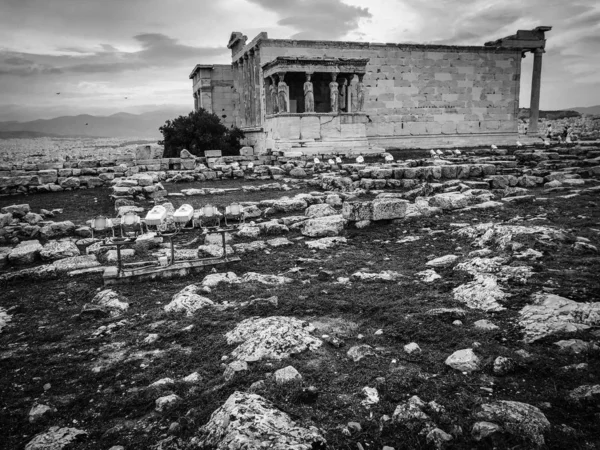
column 146, row 125
column 116, row 125
column 592, row 110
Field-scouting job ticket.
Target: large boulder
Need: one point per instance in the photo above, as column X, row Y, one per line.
column 550, row 314
column 320, row 210
column 25, row 253
column 464, row 360
column 54, row 250
column 16, row 210
column 110, row 300
column 449, row 201
column 519, row 419
column 274, row 337
column 289, row 204
column 324, row 226
column 251, row 422
column 357, row 211
column 187, row 300
column 57, row 229
column 55, row 439
column 389, row 208
column 76, row 263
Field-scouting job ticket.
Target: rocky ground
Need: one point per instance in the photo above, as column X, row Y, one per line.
column 454, row 325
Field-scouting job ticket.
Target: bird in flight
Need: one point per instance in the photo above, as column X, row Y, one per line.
column 125, row 98
column 86, row 123
column 58, row 93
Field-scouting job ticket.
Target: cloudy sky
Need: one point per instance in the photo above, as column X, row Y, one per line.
column 107, row 56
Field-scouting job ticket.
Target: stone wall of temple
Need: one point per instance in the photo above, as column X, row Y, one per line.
column 213, row 88
column 425, row 90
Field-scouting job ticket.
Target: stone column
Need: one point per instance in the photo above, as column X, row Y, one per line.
column 257, row 89
column 195, row 101
column 246, row 76
column 251, row 88
column 536, row 79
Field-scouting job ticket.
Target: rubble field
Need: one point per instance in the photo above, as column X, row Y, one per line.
column 367, row 312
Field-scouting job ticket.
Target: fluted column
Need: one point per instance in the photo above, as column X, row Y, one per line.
column 536, row 81
column 251, row 88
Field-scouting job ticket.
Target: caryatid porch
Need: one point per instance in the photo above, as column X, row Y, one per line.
column 315, row 101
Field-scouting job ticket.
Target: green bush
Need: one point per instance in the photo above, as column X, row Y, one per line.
column 197, row 132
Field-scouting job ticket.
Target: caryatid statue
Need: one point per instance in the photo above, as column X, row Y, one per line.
column 283, row 94
column 343, row 89
column 274, row 96
column 360, row 93
column 334, row 94
column 309, row 96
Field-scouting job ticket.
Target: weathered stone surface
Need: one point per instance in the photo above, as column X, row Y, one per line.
column 428, row 276
column 356, row 211
column 482, row 430
column 5, row 318
column 550, row 314
column 54, row 250
column 389, row 208
column 187, row 300
column 411, row 414
column 253, row 246
column 273, row 337
column 16, row 210
column 438, row 438
column 576, row 346
column 442, row 261
column 464, row 360
column 33, row 218
column 249, row 231
column 57, row 229
column 213, row 279
column 324, row 226
column 25, row 253
column 288, row 205
column 267, row 279
column 320, row 210
column 251, row 422
column 298, row 172
column 76, row 263
column 385, row 275
column 5, row 219
column 503, row 365
column 287, row 375
column 166, row 403
column 38, row 413
column 272, row 227
column 111, row 300
column 449, row 201
column 359, row 352
column 55, row 439
column 520, row 419
column 279, row 242
column 486, row 325
column 326, row 242
column 585, row 394
column 482, row 293
column 234, row 369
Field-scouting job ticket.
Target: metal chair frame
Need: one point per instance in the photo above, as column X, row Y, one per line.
column 231, row 212
column 102, row 223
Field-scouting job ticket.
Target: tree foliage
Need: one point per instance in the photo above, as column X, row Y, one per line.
column 197, row 132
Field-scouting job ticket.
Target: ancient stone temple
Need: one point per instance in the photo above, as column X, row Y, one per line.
column 340, row 97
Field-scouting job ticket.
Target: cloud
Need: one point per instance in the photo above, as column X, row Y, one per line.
column 157, row 51
column 316, row 19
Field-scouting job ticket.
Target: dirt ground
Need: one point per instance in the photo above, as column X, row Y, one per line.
column 47, row 354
